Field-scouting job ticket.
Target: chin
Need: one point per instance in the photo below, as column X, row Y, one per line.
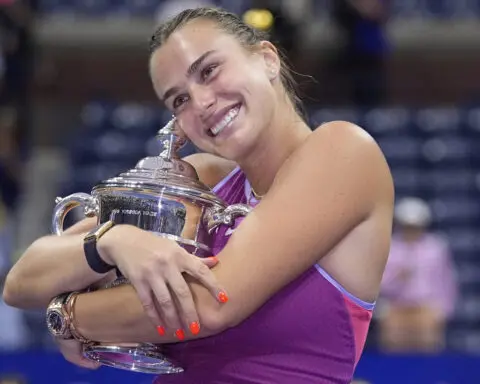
column 237, row 149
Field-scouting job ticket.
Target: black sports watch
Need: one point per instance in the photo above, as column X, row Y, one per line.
column 90, row 240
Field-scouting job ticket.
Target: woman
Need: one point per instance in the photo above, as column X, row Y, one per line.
column 297, row 280
column 419, row 286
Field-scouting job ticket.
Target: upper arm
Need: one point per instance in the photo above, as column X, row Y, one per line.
column 211, row 169
column 329, row 187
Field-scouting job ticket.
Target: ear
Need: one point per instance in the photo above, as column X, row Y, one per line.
column 271, row 59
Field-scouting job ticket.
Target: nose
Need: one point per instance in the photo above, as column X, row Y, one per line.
column 203, row 99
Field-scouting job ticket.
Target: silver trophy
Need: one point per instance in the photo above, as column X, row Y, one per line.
column 162, row 194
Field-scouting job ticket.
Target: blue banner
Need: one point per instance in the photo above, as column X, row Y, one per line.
column 47, row 368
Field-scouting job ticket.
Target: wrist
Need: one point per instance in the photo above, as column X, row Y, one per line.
column 57, row 316
column 108, row 242
column 105, row 245
column 90, row 245
column 74, row 331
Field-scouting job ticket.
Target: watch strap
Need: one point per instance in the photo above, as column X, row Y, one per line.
column 94, row 260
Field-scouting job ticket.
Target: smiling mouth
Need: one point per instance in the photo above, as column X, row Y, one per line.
column 225, row 122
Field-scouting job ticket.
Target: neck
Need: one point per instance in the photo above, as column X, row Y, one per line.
column 286, row 133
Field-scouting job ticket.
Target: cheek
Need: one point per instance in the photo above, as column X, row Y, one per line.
column 191, row 127
column 241, row 78
column 187, row 124
column 257, row 84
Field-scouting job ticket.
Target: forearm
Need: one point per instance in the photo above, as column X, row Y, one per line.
column 116, row 315
column 50, row 266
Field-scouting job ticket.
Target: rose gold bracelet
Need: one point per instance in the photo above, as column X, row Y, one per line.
column 71, row 315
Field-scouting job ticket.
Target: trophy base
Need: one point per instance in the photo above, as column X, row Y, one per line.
column 144, row 358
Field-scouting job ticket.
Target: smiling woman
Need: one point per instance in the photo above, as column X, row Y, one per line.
column 211, row 75
column 290, row 295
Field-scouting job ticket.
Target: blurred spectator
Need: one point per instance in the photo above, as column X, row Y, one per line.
column 9, row 185
column 362, row 56
column 12, row 379
column 13, row 333
column 9, row 158
column 16, row 24
column 12, row 328
column 419, row 287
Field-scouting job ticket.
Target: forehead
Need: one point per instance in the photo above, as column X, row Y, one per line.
column 186, row 45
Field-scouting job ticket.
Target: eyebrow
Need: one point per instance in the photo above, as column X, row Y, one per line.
column 193, row 68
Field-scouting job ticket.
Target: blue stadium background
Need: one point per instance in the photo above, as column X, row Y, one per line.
column 432, row 148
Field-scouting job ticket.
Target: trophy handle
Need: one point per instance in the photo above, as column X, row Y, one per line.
column 172, row 140
column 227, row 216
column 66, row 204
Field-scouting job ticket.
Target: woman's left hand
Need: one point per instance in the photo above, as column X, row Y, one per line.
column 155, row 267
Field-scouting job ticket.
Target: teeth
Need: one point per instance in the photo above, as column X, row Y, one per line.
column 225, row 121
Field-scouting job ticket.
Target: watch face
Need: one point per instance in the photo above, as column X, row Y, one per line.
column 55, row 322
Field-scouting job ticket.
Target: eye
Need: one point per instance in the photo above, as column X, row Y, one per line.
column 207, row 72
column 179, row 101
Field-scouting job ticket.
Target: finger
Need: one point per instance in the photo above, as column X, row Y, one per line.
column 184, row 302
column 89, row 364
column 199, row 270
column 210, row 262
column 148, row 303
column 167, row 308
column 82, row 361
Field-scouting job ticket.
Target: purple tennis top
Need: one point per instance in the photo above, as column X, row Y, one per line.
column 311, row 331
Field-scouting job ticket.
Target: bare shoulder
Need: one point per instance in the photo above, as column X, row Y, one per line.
column 342, row 137
column 330, row 203
column 342, row 187
column 336, row 150
column 211, row 169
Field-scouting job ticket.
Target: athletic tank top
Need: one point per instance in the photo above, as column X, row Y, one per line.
column 311, row 331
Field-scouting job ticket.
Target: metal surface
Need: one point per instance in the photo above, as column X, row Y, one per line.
column 163, row 195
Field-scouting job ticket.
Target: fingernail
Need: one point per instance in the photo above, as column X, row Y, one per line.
column 161, row 330
column 222, row 297
column 195, row 328
column 214, row 259
column 180, row 334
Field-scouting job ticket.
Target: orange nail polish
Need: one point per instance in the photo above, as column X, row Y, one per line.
column 180, row 334
column 222, row 297
column 214, row 259
column 195, row 328
column 161, row 330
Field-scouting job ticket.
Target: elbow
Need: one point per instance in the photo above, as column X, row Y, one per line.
column 17, row 289
column 10, row 294
column 218, row 319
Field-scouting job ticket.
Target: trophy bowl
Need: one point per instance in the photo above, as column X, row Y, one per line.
column 163, row 195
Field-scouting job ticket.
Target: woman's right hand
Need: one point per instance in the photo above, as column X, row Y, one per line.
column 72, row 351
column 154, row 266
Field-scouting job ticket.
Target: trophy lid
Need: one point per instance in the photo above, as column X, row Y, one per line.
column 166, row 172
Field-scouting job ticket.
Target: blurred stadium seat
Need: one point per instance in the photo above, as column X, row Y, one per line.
column 434, row 152
column 443, row 9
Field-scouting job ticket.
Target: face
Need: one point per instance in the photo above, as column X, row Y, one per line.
column 222, row 94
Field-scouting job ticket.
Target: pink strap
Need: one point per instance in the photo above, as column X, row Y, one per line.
column 360, row 318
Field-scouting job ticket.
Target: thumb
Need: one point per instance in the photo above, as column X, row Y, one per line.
column 210, row 262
